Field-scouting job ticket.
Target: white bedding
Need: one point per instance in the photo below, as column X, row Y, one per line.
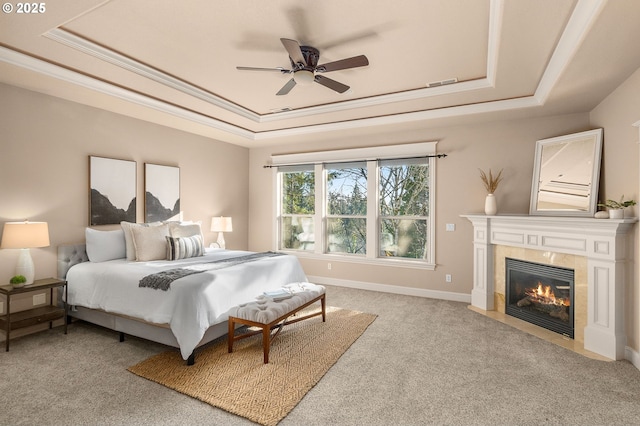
column 193, row 303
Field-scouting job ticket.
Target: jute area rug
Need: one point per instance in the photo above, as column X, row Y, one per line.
column 242, row 384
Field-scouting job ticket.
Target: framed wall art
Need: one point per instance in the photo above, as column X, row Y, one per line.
column 161, row 192
column 112, row 191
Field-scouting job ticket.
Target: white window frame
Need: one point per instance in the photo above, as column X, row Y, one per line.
column 371, row 155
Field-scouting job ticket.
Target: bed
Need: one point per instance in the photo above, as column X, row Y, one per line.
column 104, row 286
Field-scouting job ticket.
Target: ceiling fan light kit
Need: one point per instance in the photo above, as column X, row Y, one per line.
column 305, row 68
column 304, row 77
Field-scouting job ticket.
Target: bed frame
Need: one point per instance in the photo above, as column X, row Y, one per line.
column 72, row 254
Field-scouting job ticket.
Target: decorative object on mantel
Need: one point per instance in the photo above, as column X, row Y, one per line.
column 616, row 208
column 566, row 175
column 491, row 183
column 602, row 214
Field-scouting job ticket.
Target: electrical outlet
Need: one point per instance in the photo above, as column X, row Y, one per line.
column 450, row 227
column 39, row 299
column 329, row 266
column 447, row 278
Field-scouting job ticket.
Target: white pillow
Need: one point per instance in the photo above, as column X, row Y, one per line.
column 183, row 229
column 184, row 247
column 128, row 236
column 105, row 245
column 150, row 242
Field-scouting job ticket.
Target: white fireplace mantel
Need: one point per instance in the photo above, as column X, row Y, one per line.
column 602, row 241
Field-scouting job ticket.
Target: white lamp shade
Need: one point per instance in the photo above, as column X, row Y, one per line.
column 23, row 236
column 18, row 235
column 221, row 224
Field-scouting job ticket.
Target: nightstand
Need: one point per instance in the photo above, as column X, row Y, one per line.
column 37, row 315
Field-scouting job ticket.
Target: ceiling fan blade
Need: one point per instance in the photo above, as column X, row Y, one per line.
column 287, row 87
column 356, row 61
column 278, row 69
column 331, row 84
column 293, row 48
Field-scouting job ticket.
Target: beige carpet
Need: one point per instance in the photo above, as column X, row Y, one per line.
column 242, row 384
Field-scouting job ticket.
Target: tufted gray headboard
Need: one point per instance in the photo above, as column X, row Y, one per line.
column 69, row 255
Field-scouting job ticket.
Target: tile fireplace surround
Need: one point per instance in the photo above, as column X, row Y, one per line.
column 602, row 242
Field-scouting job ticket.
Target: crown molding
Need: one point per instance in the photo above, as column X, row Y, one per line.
column 582, row 18
column 456, row 111
column 97, row 51
column 54, row 71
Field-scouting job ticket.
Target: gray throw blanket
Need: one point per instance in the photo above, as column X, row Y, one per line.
column 162, row 280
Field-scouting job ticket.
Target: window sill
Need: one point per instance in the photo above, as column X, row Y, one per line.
column 393, row 262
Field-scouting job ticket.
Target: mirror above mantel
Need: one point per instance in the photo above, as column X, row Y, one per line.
column 566, row 175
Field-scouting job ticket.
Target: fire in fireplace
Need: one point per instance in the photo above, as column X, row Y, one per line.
column 540, row 294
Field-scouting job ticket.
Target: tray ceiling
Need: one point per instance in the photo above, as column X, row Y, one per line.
column 175, row 64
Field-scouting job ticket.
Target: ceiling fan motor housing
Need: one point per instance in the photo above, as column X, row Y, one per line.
column 311, row 55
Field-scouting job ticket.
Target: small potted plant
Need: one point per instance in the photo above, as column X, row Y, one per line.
column 18, row 281
column 616, row 208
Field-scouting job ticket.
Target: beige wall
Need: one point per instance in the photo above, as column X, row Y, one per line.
column 46, row 141
column 616, row 114
column 44, row 172
column 507, row 145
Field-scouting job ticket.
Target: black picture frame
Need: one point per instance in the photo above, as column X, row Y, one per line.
column 112, row 190
column 161, row 192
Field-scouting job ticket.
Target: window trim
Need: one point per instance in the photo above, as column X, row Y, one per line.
column 371, row 155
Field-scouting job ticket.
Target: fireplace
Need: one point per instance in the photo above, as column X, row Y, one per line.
column 599, row 320
column 540, row 294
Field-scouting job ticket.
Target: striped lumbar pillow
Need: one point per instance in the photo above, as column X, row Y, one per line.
column 184, row 247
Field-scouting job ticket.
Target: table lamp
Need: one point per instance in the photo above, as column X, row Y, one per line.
column 23, row 236
column 221, row 225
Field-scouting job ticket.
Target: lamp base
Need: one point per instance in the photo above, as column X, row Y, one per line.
column 25, row 266
column 220, row 240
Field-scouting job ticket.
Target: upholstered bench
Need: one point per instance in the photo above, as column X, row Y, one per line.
column 267, row 313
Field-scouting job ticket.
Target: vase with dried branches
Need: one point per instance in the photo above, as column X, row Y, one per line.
column 491, row 183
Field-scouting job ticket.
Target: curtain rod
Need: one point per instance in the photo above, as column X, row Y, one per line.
column 270, row 166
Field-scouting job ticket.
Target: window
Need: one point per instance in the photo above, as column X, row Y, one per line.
column 404, row 208
column 346, row 208
column 297, row 205
column 375, row 210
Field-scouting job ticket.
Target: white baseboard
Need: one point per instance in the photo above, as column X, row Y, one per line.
column 632, row 356
column 385, row 288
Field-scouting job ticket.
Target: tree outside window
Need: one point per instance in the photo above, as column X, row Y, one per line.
column 297, row 209
column 347, row 208
column 404, row 209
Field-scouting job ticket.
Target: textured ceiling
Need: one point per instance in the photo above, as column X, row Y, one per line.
column 175, row 63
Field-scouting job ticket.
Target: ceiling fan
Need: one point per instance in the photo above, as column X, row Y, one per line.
column 305, row 68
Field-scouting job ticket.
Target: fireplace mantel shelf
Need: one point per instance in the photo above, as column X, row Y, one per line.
column 602, row 241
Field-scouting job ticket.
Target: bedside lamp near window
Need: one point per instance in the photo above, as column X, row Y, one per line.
column 221, row 225
column 23, row 236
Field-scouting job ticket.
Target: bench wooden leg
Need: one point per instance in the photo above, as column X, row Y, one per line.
column 266, row 342
column 230, row 336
